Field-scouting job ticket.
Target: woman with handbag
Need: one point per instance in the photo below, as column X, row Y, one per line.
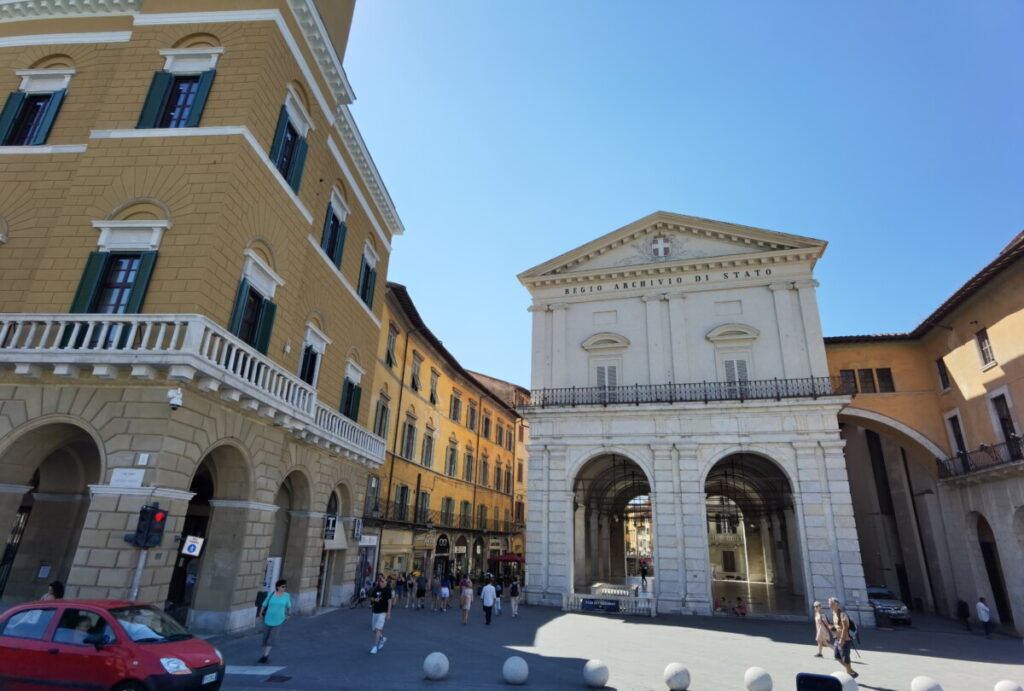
column 822, row 630
column 274, row 612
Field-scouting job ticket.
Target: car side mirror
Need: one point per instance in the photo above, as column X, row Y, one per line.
column 98, row 640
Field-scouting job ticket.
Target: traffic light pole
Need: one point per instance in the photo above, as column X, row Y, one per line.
column 137, row 578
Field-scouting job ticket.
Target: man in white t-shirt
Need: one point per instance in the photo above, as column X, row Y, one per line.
column 487, row 597
column 984, row 616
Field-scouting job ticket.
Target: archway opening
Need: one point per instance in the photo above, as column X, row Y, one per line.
column 47, row 473
column 753, row 544
column 612, row 532
column 994, row 570
column 336, row 582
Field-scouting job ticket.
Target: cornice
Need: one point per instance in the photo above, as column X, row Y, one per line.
column 21, row 10
column 320, row 45
column 354, row 144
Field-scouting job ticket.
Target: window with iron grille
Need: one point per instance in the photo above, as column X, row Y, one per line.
column 985, row 347
column 465, row 514
column 402, row 503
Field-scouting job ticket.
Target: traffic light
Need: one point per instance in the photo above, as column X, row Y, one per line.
column 150, row 528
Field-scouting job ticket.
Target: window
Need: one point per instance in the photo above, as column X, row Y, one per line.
column 367, row 276
column 496, row 513
column 728, row 560
column 885, row 382
column 465, row 514
column 471, row 416
column 1007, row 429
column 76, row 624
column 508, row 519
column 447, row 511
column 455, row 408
column 508, row 480
column 29, row 113
column 940, row 365
column 499, row 434
column 178, row 93
column 957, row 432
column 606, row 376
column 427, row 451
column 481, row 517
column 289, row 147
column 487, row 426
column 332, row 241
column 467, row 467
column 985, row 347
column 402, row 503
column 351, row 392
column 372, row 496
column 114, row 283
column 382, row 418
column 497, row 477
column 510, row 441
column 423, row 507
column 519, row 472
column 414, row 378
column 409, row 439
column 434, row 376
column 866, row 380
column 252, row 318
column 451, row 464
column 31, row 624
column 389, row 356
column 315, row 343
column 485, row 472
column 848, row 381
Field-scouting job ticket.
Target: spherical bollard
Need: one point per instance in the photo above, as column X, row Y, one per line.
column 925, row 684
column 1007, row 685
column 515, row 670
column 677, row 677
column 435, row 666
column 595, row 674
column 757, row 679
column 848, row 682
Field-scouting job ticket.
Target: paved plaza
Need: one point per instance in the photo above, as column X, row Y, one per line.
column 331, row 651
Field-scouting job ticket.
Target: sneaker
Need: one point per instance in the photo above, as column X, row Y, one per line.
column 263, row 660
column 854, row 675
column 373, row 650
column 383, row 640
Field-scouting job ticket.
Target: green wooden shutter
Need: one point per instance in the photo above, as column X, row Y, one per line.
column 9, row 114
column 235, row 323
column 138, row 294
column 265, row 326
column 89, row 286
column 49, row 115
column 339, row 245
column 156, row 99
column 371, row 285
column 353, row 404
column 282, row 125
column 327, row 224
column 298, row 163
column 199, row 102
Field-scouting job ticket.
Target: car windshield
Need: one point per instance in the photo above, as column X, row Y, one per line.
column 882, row 595
column 145, row 624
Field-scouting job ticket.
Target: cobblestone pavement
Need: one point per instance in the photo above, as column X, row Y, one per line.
column 331, row 651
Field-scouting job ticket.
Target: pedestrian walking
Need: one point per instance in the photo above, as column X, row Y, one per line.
column 276, row 609
column 643, row 574
column 740, row 610
column 487, row 597
column 410, row 590
column 499, row 590
column 466, row 599
column 435, row 594
column 421, row 591
column 446, row 592
column 400, row 587
column 984, row 616
column 380, row 606
column 822, row 632
column 963, row 613
column 843, row 635
column 513, row 596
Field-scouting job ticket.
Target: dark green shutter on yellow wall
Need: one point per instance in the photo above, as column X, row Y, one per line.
column 282, row 125
column 89, row 286
column 298, row 163
column 146, row 263
column 266, row 324
column 199, row 102
column 235, row 322
column 9, row 113
column 48, row 117
column 159, row 89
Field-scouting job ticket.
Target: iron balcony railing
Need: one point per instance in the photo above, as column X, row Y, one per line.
column 982, row 458
column 407, row 514
column 697, row 392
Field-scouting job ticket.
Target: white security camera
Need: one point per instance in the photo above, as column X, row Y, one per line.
column 174, row 398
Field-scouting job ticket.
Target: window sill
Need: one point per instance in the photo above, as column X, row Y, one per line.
column 989, row 365
column 44, row 149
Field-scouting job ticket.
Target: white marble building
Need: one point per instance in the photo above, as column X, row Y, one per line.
column 682, row 359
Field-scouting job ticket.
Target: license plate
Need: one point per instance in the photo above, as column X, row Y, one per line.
column 209, row 678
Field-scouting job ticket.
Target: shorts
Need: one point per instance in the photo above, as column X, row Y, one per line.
column 377, row 621
column 269, row 635
column 842, row 652
column 421, row 592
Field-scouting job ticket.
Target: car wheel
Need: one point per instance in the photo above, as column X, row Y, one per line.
column 129, row 686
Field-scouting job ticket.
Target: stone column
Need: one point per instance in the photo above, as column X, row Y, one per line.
column 782, row 566
column 695, row 575
column 580, row 546
column 617, row 552
column 541, row 355
column 677, row 338
column 655, row 362
column 788, row 344
column 795, row 552
column 306, row 527
column 811, row 319
column 844, row 528
column 559, row 348
column 603, row 544
column 768, row 549
column 593, row 548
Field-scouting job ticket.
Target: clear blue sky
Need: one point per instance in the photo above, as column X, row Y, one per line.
column 508, row 132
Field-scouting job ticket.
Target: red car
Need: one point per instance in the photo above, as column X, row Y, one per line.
column 102, row 644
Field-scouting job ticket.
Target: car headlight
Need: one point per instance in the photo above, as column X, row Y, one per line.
column 174, row 666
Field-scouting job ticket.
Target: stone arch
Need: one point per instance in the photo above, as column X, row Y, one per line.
column 23, row 450
column 732, row 333
column 604, row 341
column 198, row 40
column 873, row 420
column 140, row 209
column 638, row 456
column 53, row 61
column 991, row 564
column 786, row 462
column 301, row 94
column 233, row 470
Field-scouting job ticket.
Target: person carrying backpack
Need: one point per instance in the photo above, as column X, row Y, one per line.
column 843, row 629
column 513, row 596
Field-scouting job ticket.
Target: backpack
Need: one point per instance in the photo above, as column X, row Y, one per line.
column 514, row 590
column 854, row 636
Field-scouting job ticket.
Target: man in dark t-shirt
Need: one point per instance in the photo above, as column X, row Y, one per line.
column 380, row 603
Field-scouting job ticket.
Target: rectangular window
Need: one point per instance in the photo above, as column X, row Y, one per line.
column 607, row 376
column 288, row 150
column 467, row 467
column 382, row 418
column 332, row 242
column 520, row 511
column 471, row 416
column 447, row 511
column 252, row 318
column 866, row 380
column 487, row 426
column 496, row 514
column 372, row 502
column 497, row 477
column 510, row 441
column 175, row 100
column 985, row 347
column 885, row 382
column 455, row 408
column 27, row 119
column 423, row 507
column 427, row 452
column 940, row 365
column 409, row 440
column 451, row 462
column 389, row 356
column 519, row 473
column 508, row 480
column 114, row 283
column 307, row 368
column 848, row 381
column 481, row 517
column 434, row 376
column 1006, row 427
column 367, row 281
column 958, row 434
column 485, row 472
column 350, row 395
column 728, row 560
column 414, row 378
column 499, row 434
column 402, row 503
column 465, row 514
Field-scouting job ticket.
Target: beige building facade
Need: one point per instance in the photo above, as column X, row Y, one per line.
column 193, row 242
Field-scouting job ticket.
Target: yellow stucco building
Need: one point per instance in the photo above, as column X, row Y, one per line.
column 194, row 242
column 934, row 448
column 452, row 493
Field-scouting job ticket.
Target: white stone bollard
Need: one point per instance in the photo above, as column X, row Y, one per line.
column 515, row 670
column 848, row 682
column 595, row 674
column 925, row 684
column 677, row 677
column 757, row 679
column 1007, row 685
column 435, row 666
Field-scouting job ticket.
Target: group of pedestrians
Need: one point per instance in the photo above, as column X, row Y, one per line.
column 838, row 634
